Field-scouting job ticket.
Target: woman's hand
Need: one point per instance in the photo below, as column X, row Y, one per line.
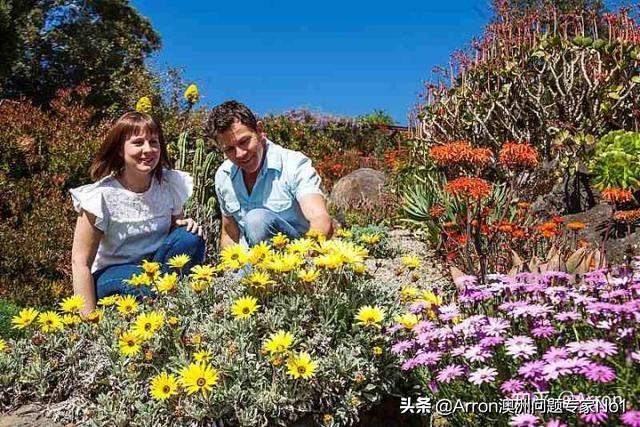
column 191, row 225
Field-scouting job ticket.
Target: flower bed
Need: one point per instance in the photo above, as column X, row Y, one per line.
column 571, row 337
column 298, row 336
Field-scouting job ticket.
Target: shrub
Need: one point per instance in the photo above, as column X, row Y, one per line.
column 45, row 153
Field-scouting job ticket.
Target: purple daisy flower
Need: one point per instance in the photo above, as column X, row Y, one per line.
column 567, row 316
column 600, row 348
column 532, row 369
column 428, row 358
column 476, row 353
column 555, row 423
column 543, row 331
column 595, row 418
column 631, row 418
column 488, row 342
column 578, row 348
column 599, row 373
column 402, row 346
column 512, row 386
column 482, row 375
column 524, row 420
column 495, row 327
column 458, row 351
column 555, row 354
column 450, row 373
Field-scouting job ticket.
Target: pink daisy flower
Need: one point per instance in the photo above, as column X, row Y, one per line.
column 631, row 418
column 482, row 375
column 450, row 373
column 524, row 420
column 599, row 373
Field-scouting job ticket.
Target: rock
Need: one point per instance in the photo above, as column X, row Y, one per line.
column 27, row 416
column 596, row 220
column 364, row 184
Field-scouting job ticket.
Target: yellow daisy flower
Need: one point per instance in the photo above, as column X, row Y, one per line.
column 410, row 261
column 71, row 319
column 308, row 276
column 163, row 386
column 370, row 316
column 50, row 321
column 300, row 246
column 178, row 261
column 431, row 298
column 359, row 268
column 198, row 377
column 285, row 263
column 95, row 316
column 72, row 304
column 203, row 272
column 109, row 301
column 258, row 279
column 377, row 351
column 140, row 279
column 199, row 285
column 167, row 283
column 408, row 320
column 341, row 232
column 24, row 318
column 330, row 261
column 259, row 253
column 129, row 344
column 370, row 239
column 301, row 366
column 316, row 235
column 150, row 267
column 409, row 293
column 203, row 355
column 279, row 240
column 278, row 342
column 3, row 346
column 127, row 305
column 244, row 307
column 234, row 257
column 146, row 324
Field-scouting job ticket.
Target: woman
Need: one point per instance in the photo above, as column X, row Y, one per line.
column 129, row 212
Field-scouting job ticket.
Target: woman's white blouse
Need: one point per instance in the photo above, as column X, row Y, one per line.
column 134, row 224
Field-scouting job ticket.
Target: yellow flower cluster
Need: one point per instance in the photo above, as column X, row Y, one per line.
column 299, row 365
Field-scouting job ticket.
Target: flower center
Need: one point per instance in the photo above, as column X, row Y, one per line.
column 147, row 326
column 245, row 310
column 131, row 343
column 201, row 382
column 302, row 369
column 166, row 389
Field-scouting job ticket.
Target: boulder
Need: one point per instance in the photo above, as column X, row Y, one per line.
column 363, row 184
column 596, row 220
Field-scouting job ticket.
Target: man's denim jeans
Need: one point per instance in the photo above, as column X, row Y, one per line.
column 262, row 224
column 110, row 280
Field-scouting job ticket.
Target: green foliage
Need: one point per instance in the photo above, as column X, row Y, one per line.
column 615, row 163
column 63, row 43
column 7, row 310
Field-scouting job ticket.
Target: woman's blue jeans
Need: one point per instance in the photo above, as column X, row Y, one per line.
column 110, row 280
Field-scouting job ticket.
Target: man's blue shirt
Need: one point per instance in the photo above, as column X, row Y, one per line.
column 284, row 178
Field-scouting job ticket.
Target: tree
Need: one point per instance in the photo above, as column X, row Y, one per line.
column 54, row 44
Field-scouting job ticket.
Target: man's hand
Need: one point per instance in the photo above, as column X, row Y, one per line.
column 315, row 211
column 190, row 225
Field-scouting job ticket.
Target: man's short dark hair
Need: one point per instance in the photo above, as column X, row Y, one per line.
column 222, row 116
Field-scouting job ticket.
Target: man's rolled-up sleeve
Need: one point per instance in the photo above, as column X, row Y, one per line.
column 305, row 178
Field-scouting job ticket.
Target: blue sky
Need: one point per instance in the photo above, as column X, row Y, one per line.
column 338, row 57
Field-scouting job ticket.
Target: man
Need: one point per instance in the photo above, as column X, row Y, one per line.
column 263, row 188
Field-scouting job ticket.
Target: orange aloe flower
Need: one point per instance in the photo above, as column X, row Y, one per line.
column 616, row 195
column 475, row 188
column 576, row 225
column 627, row 216
column 514, row 155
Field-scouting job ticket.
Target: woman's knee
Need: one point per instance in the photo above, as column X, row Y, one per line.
column 187, row 239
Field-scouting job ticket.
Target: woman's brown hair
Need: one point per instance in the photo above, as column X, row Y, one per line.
column 109, row 159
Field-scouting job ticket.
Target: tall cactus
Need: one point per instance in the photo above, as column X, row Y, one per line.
column 203, row 204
